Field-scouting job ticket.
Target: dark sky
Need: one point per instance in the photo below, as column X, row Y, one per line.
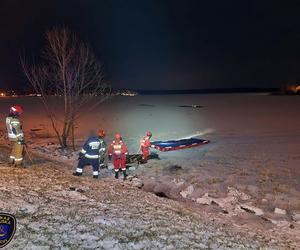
column 170, row 44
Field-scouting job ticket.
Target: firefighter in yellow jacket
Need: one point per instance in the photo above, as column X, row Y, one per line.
column 15, row 135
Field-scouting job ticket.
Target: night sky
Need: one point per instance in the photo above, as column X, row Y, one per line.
column 163, row 44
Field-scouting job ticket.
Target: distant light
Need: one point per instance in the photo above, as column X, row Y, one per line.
column 127, row 93
column 2, row 94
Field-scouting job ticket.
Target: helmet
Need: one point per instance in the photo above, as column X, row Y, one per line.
column 118, row 136
column 148, row 133
column 16, row 110
column 101, row 132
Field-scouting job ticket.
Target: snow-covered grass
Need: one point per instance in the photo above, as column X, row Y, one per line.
column 56, row 210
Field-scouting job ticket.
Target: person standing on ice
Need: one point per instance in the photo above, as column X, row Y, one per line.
column 15, row 135
column 117, row 153
column 92, row 153
column 145, row 145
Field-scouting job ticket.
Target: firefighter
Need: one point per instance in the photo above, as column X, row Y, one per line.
column 117, row 153
column 15, row 135
column 145, row 145
column 92, row 153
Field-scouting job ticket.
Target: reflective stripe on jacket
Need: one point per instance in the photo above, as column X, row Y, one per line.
column 14, row 129
column 94, row 148
column 118, row 148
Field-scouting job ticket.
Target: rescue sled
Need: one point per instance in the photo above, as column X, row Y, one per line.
column 177, row 144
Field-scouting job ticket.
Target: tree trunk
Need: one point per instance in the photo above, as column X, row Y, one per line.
column 73, row 136
column 64, row 139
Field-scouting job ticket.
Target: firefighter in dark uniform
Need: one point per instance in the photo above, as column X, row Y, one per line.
column 92, row 153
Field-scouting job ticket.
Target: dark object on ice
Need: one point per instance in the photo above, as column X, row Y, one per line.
column 191, row 106
column 146, row 105
column 72, row 188
column 178, row 144
column 137, row 158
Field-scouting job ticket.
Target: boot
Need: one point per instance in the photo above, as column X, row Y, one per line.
column 95, row 176
column 143, row 161
column 117, row 175
column 124, row 175
column 77, row 174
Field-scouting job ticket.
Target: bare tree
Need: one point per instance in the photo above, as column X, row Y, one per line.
column 70, row 71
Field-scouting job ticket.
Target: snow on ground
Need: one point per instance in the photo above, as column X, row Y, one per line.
column 56, row 210
column 254, row 149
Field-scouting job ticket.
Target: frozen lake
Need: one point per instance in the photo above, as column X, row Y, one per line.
column 271, row 123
